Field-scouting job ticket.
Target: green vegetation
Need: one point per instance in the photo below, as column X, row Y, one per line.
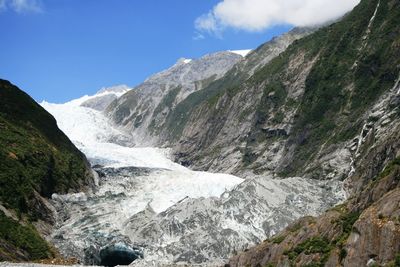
column 25, row 238
column 35, row 156
column 279, row 116
column 34, row 153
column 321, row 245
column 397, row 260
column 345, row 80
column 279, row 239
column 274, row 96
column 351, row 68
column 311, row 246
column 295, row 228
column 346, row 221
column 327, row 91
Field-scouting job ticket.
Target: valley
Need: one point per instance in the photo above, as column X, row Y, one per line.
column 144, row 200
column 284, row 155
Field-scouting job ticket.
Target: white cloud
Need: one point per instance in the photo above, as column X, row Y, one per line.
column 22, row 6
column 258, row 15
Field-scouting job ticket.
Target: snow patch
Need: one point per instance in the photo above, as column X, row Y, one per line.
column 242, row 53
column 183, row 61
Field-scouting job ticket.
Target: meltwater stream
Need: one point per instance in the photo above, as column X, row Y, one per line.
column 130, row 180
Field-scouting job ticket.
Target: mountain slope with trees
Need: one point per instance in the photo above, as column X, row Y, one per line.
column 36, row 160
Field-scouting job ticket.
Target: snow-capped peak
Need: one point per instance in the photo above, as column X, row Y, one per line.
column 117, row 90
column 108, row 92
column 243, row 53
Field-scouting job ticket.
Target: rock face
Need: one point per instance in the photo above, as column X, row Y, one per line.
column 143, row 110
column 36, row 160
column 364, row 231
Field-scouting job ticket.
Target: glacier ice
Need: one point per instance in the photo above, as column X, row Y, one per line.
column 134, row 179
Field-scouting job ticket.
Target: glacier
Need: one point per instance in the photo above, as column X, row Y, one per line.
column 94, row 135
column 137, row 178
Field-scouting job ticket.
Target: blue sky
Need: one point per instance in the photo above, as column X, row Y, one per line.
column 57, row 50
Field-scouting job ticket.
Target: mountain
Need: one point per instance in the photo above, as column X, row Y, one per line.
column 311, row 119
column 156, row 112
column 161, row 207
column 36, row 160
column 319, row 105
column 145, row 110
column 351, row 102
column 297, row 115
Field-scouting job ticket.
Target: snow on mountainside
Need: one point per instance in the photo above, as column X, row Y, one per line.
column 243, row 53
